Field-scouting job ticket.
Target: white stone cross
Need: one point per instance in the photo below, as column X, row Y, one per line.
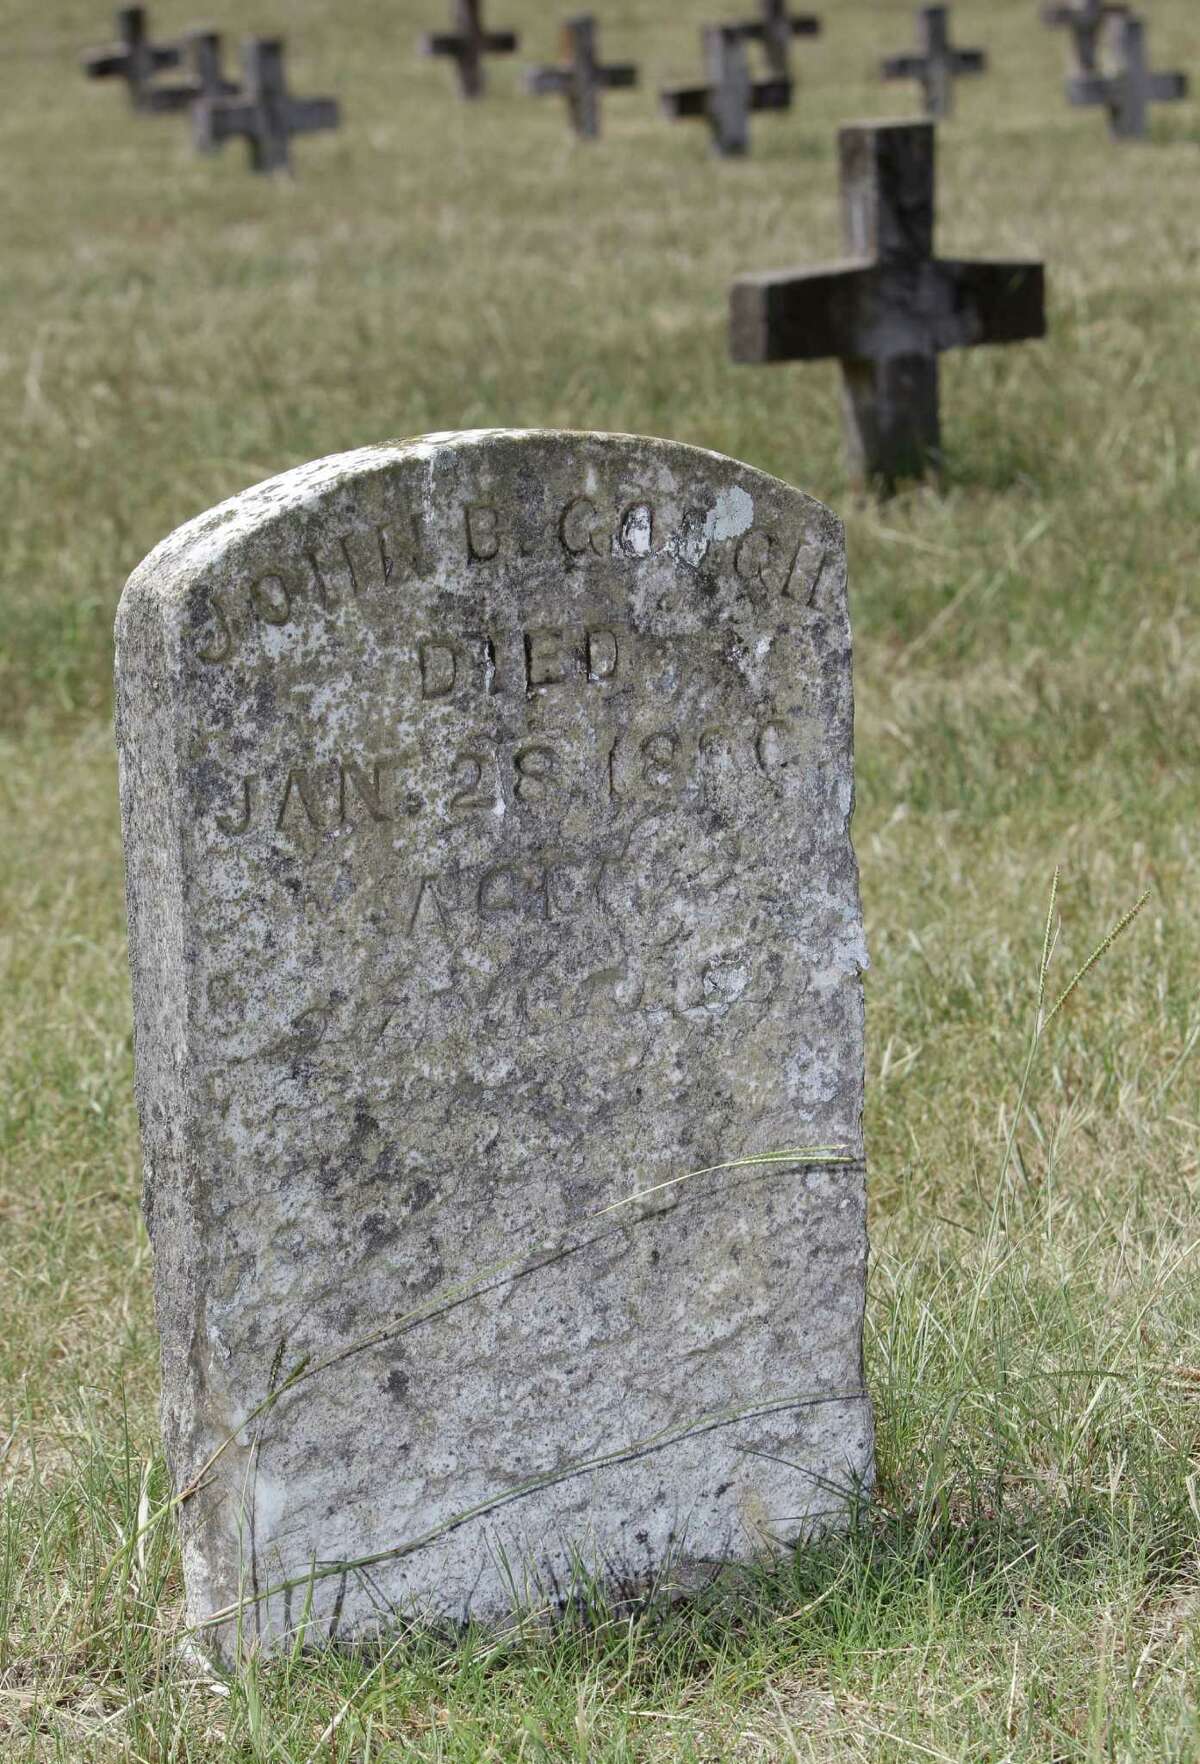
column 581, row 77
column 133, row 58
column 888, row 311
column 467, row 43
column 729, row 95
column 1126, row 88
column 262, row 111
column 937, row 63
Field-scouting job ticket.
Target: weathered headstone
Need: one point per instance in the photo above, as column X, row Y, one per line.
column 134, row 57
column 487, row 817
column 581, row 77
column 1083, row 20
column 890, row 310
column 467, row 43
column 728, row 95
column 261, row 110
column 937, row 64
column 775, row 28
column 1126, row 88
column 202, row 51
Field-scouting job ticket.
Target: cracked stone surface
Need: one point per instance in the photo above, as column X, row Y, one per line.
column 487, row 809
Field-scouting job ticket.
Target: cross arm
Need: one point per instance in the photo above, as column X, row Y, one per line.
column 802, row 24
column 499, row 42
column 680, row 101
column 797, row 315
column 986, row 302
column 442, row 43
column 903, row 67
column 541, row 82
column 969, row 61
column 306, row 114
column 1090, row 89
column 1166, row 86
column 771, row 95
column 618, row 75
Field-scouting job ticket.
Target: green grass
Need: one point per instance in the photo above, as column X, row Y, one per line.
column 1027, row 1584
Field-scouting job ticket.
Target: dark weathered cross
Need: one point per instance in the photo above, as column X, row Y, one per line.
column 774, row 29
column 133, row 57
column 1083, row 20
column 207, row 80
column 936, row 64
column 581, row 77
column 729, row 95
column 467, row 43
column 1126, row 88
column 262, row 111
column 889, row 311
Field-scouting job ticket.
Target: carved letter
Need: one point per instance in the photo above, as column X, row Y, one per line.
column 235, row 825
column 601, row 646
column 580, row 529
column 753, row 556
column 635, row 535
column 301, row 782
column 483, row 531
column 439, row 667
column 548, row 662
column 272, row 600
column 368, row 789
column 222, row 648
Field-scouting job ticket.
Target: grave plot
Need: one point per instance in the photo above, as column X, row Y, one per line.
column 936, row 64
column 261, row 111
column 468, row 44
column 1126, row 87
column 486, row 807
column 891, row 308
column 728, row 96
column 581, row 77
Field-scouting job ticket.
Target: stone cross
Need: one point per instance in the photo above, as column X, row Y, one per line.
column 582, row 77
column 889, row 311
column 203, row 51
column 729, row 95
column 262, row 110
column 1083, row 20
column 1127, row 88
column 496, row 950
column 936, row 63
column 774, row 29
column 467, row 43
column 133, row 58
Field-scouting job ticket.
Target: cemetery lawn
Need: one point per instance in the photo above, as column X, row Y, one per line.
column 1026, row 1583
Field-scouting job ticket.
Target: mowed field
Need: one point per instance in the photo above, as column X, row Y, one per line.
column 1026, row 1584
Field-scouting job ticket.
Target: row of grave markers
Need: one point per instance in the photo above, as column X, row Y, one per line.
column 1109, row 67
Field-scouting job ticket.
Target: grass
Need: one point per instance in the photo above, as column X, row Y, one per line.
column 1027, row 1584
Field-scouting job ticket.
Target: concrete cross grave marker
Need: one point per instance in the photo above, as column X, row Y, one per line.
column 582, row 77
column 890, row 310
column 203, row 54
column 936, row 65
column 133, row 58
column 1083, row 20
column 496, row 950
column 1126, row 87
column 774, row 29
column 261, row 111
column 468, row 43
column 729, row 95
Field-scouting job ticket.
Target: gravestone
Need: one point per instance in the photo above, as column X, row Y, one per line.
column 1083, row 20
column 467, row 44
column 261, row 111
column 581, row 77
column 134, row 57
column 487, row 805
column 888, row 312
column 937, row 64
column 202, row 51
column 775, row 28
column 729, row 95
column 1126, row 88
